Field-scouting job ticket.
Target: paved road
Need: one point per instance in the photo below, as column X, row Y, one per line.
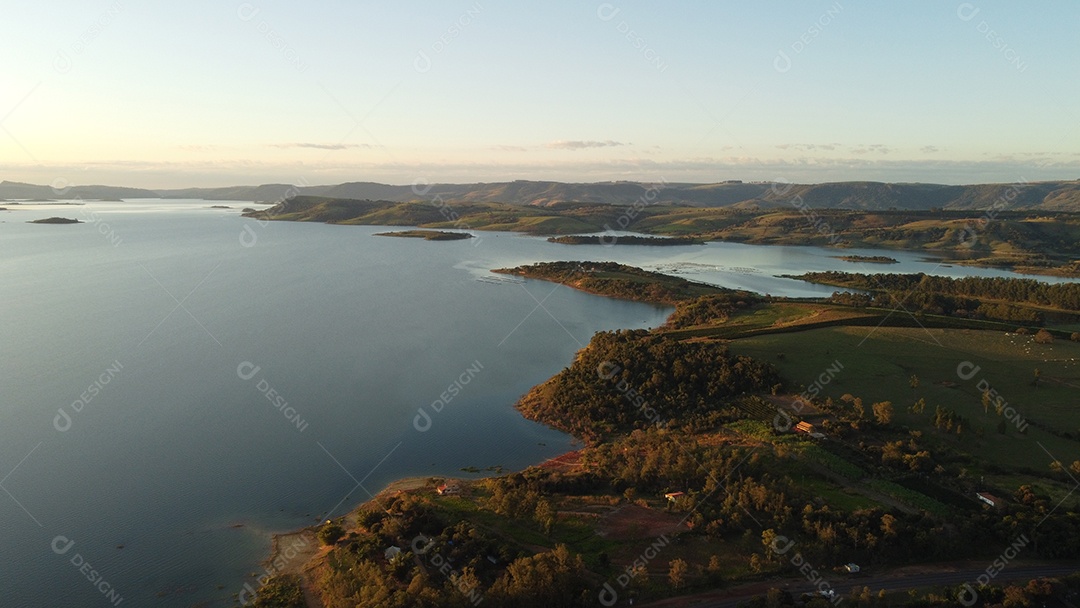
column 843, row 585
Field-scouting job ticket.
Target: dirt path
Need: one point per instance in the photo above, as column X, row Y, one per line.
column 908, row 577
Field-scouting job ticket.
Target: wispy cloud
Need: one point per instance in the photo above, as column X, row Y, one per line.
column 503, row 148
column 319, row 146
column 577, row 144
column 871, row 149
column 809, row 147
column 929, row 149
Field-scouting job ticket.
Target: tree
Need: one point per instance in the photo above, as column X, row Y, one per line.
column 768, row 536
column 774, row 598
column 755, row 563
column 468, row 583
column 1015, row 597
column 545, row 515
column 677, row 570
column 553, row 578
column 1044, row 337
column 857, row 411
column 282, row 591
column 919, row 406
column 986, row 401
column 919, row 461
column 883, row 412
column 330, row 533
column 888, row 525
column 914, row 382
column 714, row 568
column 1075, row 337
column 892, row 453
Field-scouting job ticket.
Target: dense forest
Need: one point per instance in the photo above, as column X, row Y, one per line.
column 710, row 309
column 991, row 298
column 1064, row 296
column 634, row 379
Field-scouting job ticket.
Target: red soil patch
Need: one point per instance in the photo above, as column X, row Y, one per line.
column 633, row 521
column 567, row 462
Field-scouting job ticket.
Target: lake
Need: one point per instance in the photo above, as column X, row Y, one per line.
column 180, row 382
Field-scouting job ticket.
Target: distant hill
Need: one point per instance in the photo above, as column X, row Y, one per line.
column 266, row 193
column 18, row 190
column 869, row 196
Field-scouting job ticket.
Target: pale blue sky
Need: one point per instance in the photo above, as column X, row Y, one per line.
column 161, row 94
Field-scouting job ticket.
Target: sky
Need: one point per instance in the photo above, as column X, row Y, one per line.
column 205, row 93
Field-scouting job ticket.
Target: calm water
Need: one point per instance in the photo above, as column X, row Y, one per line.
column 145, row 326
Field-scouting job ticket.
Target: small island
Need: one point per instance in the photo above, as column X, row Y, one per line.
column 55, row 220
column 869, row 259
column 220, row 207
column 616, row 280
column 428, row 235
column 604, row 239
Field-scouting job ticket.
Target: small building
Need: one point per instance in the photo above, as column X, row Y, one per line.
column 808, row 429
column 852, row 568
column 448, row 489
column 391, row 552
column 673, row 496
column 989, row 499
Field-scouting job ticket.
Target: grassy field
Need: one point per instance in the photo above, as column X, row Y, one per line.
column 774, row 316
column 878, row 363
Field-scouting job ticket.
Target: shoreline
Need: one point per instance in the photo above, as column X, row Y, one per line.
column 297, row 552
column 301, row 562
column 278, row 539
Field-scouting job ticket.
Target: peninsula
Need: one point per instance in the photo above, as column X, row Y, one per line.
column 741, row 427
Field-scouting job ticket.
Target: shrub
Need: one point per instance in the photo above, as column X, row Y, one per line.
column 330, row 533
